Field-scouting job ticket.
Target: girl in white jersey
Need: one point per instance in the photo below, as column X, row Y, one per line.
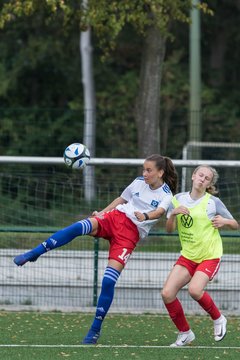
column 198, row 215
column 119, row 224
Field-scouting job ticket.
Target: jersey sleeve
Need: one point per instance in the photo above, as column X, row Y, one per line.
column 170, row 209
column 166, row 202
column 127, row 192
column 221, row 208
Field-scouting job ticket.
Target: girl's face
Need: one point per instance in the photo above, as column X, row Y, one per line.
column 202, row 178
column 152, row 175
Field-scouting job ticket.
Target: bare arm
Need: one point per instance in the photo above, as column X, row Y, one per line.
column 152, row 215
column 171, row 221
column 119, row 200
column 218, row 222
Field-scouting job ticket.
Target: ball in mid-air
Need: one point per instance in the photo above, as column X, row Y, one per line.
column 76, row 156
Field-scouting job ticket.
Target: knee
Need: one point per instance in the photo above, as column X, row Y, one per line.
column 167, row 295
column 194, row 291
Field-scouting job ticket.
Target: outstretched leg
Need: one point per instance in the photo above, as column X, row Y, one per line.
column 60, row 238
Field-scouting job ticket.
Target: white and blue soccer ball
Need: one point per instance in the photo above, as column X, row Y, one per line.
column 76, row 156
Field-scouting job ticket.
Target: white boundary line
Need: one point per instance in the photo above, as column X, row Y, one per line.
column 118, row 346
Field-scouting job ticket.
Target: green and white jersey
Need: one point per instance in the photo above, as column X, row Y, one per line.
column 199, row 239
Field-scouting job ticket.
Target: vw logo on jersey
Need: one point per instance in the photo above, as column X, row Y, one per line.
column 155, row 203
column 187, row 221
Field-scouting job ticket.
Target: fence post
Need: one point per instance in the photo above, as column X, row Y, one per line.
column 95, row 276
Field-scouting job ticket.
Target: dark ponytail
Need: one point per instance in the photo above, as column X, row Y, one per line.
column 170, row 175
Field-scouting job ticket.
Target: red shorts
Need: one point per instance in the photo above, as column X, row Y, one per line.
column 121, row 232
column 209, row 267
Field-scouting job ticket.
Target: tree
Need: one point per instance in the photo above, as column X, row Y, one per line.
column 151, row 19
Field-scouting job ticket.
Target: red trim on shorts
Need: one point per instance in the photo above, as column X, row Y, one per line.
column 209, row 267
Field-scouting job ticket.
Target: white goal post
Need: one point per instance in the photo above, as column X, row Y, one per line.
column 113, row 161
column 183, row 164
column 188, row 148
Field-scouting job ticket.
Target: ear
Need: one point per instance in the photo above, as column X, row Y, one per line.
column 160, row 173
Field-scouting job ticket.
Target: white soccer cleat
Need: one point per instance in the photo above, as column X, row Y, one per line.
column 220, row 328
column 184, row 338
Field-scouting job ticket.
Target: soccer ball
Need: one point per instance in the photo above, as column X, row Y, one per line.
column 76, row 156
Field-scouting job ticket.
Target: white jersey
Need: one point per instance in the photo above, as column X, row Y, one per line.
column 140, row 197
column 214, row 207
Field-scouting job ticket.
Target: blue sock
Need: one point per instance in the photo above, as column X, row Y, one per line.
column 64, row 236
column 106, row 297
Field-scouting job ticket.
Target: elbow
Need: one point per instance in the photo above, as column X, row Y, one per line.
column 235, row 225
column 170, row 226
column 169, row 229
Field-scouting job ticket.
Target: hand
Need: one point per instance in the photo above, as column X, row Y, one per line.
column 218, row 221
column 140, row 216
column 180, row 210
column 97, row 213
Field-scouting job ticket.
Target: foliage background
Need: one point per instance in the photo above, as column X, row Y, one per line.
column 41, row 99
column 42, row 110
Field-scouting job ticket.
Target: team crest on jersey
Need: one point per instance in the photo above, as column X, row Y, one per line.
column 136, row 194
column 186, row 221
column 155, row 203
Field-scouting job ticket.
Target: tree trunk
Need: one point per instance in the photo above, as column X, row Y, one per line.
column 217, row 57
column 89, row 111
column 148, row 100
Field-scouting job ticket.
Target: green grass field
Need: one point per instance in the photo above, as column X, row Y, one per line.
column 56, row 335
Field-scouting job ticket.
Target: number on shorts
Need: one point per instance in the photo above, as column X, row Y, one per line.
column 123, row 256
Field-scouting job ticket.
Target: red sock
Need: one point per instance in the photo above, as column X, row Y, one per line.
column 206, row 302
column 177, row 315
